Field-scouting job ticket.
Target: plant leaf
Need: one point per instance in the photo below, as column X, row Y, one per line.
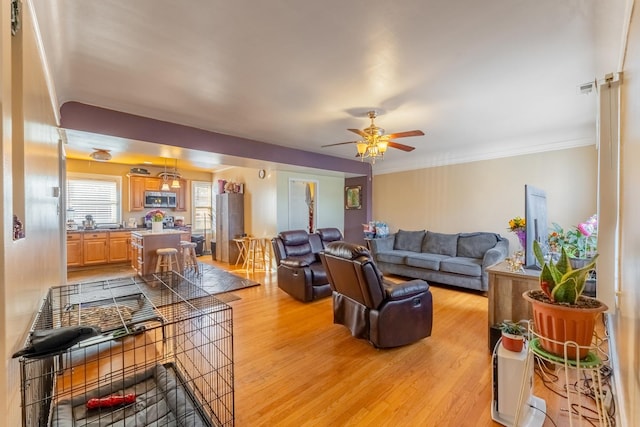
column 567, row 291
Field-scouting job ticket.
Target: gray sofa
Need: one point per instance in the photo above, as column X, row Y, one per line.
column 451, row 259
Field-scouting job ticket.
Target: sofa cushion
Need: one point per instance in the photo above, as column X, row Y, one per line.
column 462, row 265
column 474, row 245
column 409, row 240
column 393, row 257
column 425, row 260
column 439, row 243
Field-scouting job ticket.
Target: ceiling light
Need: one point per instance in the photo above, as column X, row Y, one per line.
column 175, row 183
column 100, row 155
column 165, row 183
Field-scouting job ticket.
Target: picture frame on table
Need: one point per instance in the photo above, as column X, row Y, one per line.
column 353, row 197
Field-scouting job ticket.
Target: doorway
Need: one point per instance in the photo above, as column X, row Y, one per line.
column 303, row 204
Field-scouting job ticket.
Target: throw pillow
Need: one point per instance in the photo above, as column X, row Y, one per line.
column 439, row 243
column 409, row 240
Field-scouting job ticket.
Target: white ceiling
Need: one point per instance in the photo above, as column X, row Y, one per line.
column 482, row 79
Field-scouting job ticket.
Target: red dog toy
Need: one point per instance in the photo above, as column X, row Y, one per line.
column 108, row 402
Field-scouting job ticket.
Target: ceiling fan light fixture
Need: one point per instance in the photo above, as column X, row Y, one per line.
column 375, row 141
column 382, row 146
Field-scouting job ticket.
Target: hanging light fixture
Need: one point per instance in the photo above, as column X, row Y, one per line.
column 176, row 182
column 375, row 144
column 372, row 149
column 165, row 183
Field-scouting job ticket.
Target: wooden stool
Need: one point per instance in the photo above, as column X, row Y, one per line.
column 189, row 260
column 167, row 257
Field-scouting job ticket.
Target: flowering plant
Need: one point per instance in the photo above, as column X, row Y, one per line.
column 579, row 242
column 518, row 225
column 155, row 215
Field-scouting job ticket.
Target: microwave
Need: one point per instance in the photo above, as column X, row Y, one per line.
column 159, row 199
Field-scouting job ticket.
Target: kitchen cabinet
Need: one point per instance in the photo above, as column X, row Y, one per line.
column 94, row 248
column 74, row 249
column 181, row 195
column 229, row 225
column 136, row 193
column 119, row 246
column 152, row 184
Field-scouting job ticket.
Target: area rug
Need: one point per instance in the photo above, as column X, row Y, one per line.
column 216, row 280
column 211, row 279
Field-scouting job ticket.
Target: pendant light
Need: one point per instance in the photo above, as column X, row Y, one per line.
column 175, row 183
column 165, row 183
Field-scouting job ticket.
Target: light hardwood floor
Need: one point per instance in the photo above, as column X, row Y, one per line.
column 294, row 367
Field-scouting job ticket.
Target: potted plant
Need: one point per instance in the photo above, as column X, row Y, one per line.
column 155, row 216
column 512, row 335
column 560, row 312
column 580, row 241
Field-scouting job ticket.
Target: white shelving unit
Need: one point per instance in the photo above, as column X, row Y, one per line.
column 576, row 368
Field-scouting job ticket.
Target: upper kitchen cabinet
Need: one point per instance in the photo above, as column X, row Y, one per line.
column 136, row 193
column 181, row 196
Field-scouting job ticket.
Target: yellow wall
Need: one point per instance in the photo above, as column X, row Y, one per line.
column 483, row 196
column 259, row 199
column 31, row 265
column 115, row 169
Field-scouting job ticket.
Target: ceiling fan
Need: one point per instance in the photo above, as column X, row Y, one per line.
column 375, row 142
column 100, row 155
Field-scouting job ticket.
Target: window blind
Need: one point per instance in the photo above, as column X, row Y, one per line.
column 202, row 206
column 95, row 195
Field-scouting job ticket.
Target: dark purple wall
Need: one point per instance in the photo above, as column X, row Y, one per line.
column 88, row 118
column 354, row 218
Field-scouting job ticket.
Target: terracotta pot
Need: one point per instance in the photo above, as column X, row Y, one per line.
column 512, row 342
column 561, row 323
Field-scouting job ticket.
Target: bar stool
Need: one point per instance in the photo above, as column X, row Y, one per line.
column 167, row 257
column 189, row 260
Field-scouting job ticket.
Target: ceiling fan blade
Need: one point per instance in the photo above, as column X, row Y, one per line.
column 405, row 134
column 359, row 132
column 400, row 146
column 339, row 143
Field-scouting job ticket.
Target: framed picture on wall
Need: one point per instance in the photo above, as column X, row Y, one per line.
column 353, row 197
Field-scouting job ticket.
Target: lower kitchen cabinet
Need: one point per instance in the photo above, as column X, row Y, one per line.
column 95, row 249
column 119, row 246
column 74, row 250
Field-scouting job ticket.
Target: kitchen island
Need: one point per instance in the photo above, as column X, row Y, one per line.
column 144, row 245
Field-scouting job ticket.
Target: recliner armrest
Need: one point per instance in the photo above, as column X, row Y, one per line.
column 296, row 263
column 404, row 290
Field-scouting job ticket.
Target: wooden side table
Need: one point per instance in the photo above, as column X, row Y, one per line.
column 505, row 294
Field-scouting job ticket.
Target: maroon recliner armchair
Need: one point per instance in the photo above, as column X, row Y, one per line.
column 300, row 272
column 386, row 314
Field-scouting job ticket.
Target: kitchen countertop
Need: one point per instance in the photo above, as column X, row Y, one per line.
column 146, row 232
column 137, row 230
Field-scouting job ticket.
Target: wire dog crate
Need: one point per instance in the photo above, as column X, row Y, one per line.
column 159, row 352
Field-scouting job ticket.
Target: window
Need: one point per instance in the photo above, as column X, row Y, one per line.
column 202, row 207
column 95, row 195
